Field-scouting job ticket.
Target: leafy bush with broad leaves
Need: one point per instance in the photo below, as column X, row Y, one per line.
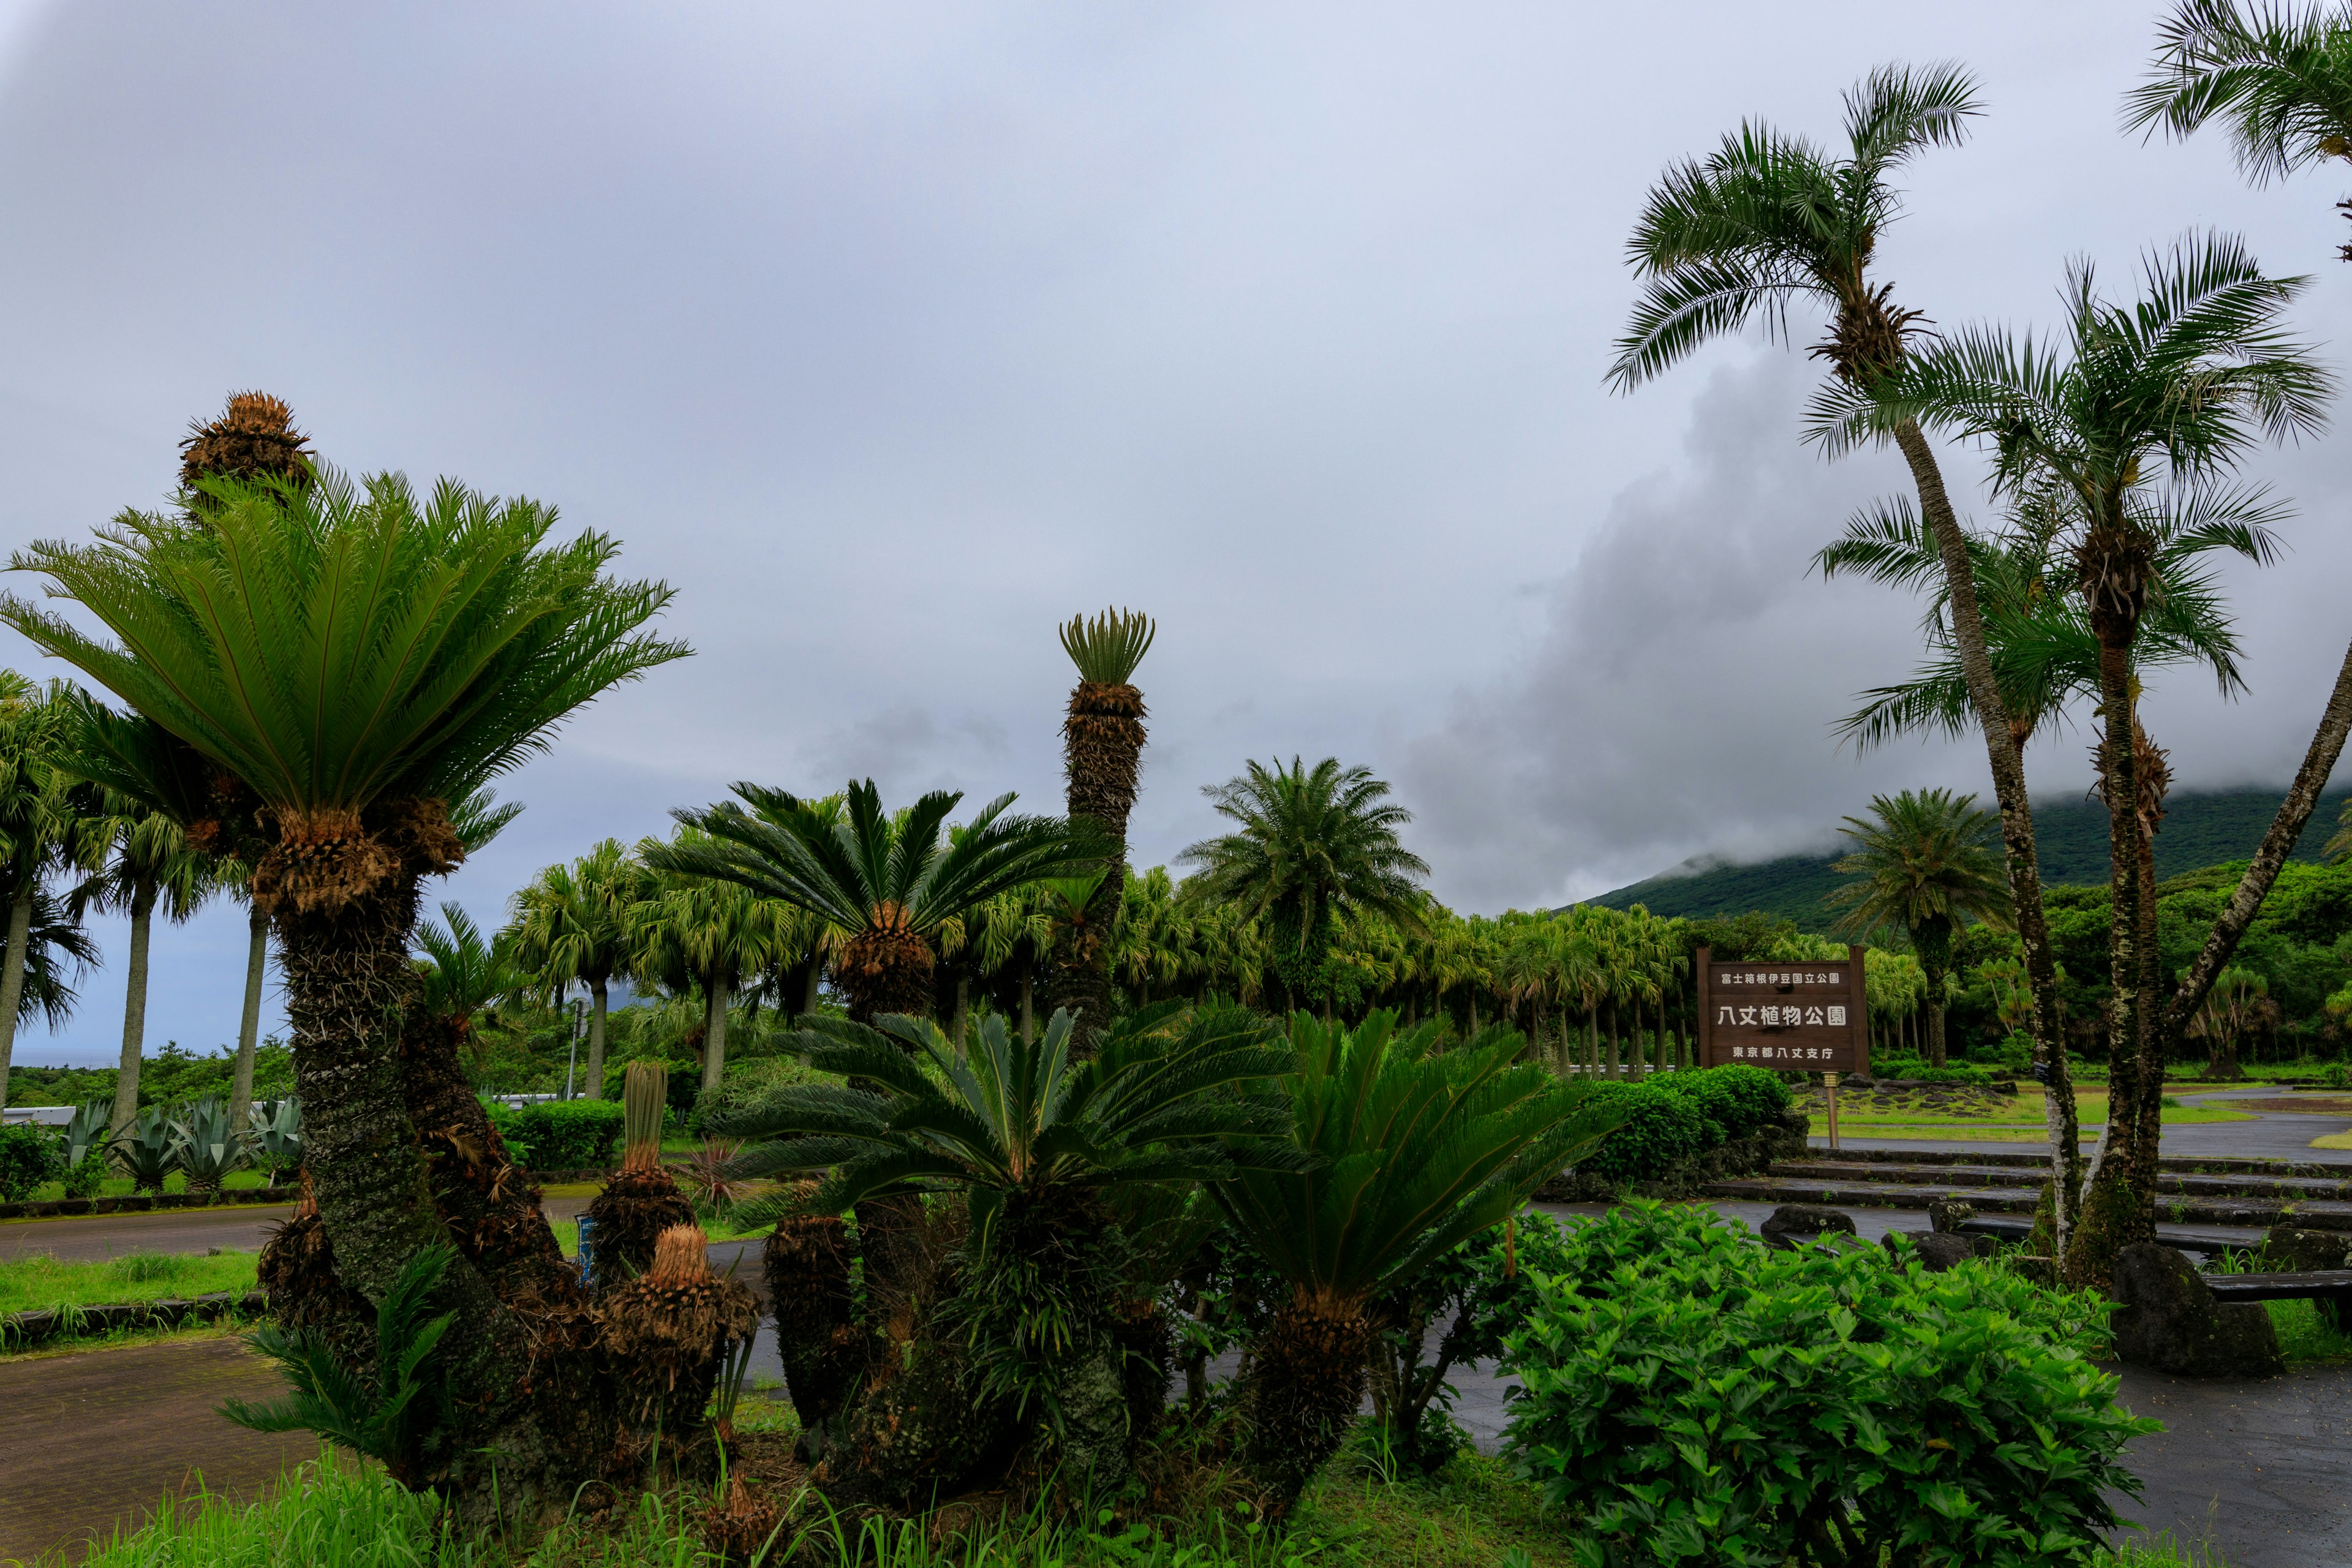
column 29, row 1155
column 1699, row 1400
column 1741, row 1100
column 560, row 1134
column 1660, row 1129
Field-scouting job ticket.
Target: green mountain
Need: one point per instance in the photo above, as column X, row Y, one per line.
column 2199, row 829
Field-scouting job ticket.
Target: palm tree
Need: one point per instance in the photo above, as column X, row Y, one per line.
column 1922, row 866
column 1416, row 1151
column 2139, row 420
column 148, row 866
column 696, row 932
column 1308, row 842
column 46, row 825
column 1770, row 220
column 570, row 926
column 1102, row 749
column 2229, row 1010
column 2339, row 846
column 462, row 973
column 346, row 660
column 886, row 884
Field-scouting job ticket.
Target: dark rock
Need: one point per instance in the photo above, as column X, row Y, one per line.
column 2166, row 1317
column 1792, row 1223
column 1937, row 1250
column 1949, row 1214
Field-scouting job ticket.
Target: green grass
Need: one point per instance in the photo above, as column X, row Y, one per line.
column 31, row 1283
column 120, row 1186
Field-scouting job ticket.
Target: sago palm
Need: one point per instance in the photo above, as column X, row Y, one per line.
column 570, row 926
column 1414, row 1150
column 1307, row 843
column 2139, row 414
column 1102, row 749
column 885, row 883
column 462, row 974
column 1921, row 863
column 349, row 660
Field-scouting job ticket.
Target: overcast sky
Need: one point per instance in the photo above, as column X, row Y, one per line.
column 892, row 335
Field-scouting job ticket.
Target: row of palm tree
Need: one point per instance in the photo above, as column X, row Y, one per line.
column 2116, row 445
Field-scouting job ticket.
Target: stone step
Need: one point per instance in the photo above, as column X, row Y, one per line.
column 2000, row 1198
column 2212, row 1184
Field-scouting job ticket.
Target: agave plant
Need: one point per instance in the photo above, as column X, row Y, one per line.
column 274, row 1135
column 87, row 1131
column 1414, row 1152
column 1034, row 1139
column 206, row 1145
column 146, row 1151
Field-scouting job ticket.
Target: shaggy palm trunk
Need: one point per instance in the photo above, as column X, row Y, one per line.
column 2117, row 1211
column 1306, row 1382
column 12, row 982
column 2003, row 750
column 1102, row 751
column 134, row 1008
column 1614, row 1071
column 599, row 999
column 1028, row 1005
column 248, row 1025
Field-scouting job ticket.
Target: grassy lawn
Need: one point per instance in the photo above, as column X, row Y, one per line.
column 2021, row 1117
column 120, row 1186
column 31, row 1284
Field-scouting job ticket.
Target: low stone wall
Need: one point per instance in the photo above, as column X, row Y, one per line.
column 22, row 1328
column 141, row 1203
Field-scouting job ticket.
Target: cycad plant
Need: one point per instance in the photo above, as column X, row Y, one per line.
column 349, row 662
column 1102, row 749
column 885, row 883
column 461, row 975
column 1413, row 1151
column 400, row 1412
column 641, row 1200
column 1037, row 1145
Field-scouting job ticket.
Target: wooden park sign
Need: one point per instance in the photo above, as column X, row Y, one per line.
column 1810, row 1016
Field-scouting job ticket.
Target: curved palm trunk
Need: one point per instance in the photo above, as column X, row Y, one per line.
column 716, row 990
column 134, row 1010
column 599, row 1001
column 12, row 982
column 248, row 1023
column 2021, row 856
column 2116, row 1211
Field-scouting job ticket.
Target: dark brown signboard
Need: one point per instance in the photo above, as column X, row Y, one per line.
column 1810, row 1016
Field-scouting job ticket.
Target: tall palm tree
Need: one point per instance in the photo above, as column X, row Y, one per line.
column 463, row 974
column 1102, row 749
column 884, row 883
column 570, row 926
column 2140, row 415
column 707, row 934
column 1922, row 865
column 1308, row 843
column 147, row 867
column 346, row 660
column 1771, row 220
column 47, row 824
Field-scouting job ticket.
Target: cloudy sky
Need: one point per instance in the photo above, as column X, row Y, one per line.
column 891, row 335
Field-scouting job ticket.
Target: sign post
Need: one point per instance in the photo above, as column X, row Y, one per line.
column 1807, row 1016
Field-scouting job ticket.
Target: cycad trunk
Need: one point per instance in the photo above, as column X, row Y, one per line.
column 716, row 990
column 2023, row 858
column 1306, row 1381
column 134, row 1009
column 11, row 982
column 248, row 1025
column 1102, row 751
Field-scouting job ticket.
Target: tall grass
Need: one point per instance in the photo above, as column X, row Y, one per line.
column 30, row 1283
column 2302, row 1333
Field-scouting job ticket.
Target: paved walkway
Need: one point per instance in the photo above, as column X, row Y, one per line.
column 92, row 1441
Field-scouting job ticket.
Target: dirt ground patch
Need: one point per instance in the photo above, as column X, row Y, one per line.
column 92, row 1440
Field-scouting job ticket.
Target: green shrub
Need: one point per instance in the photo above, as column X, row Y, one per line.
column 1915, row 1068
column 747, row 1084
column 29, row 1155
column 560, row 1134
column 1739, row 1099
column 1699, row 1399
column 1660, row 1129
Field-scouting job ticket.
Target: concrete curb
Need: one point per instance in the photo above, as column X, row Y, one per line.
column 20, row 1329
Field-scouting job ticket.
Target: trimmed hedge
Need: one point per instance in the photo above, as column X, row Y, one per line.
column 1678, row 1116
column 559, row 1134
